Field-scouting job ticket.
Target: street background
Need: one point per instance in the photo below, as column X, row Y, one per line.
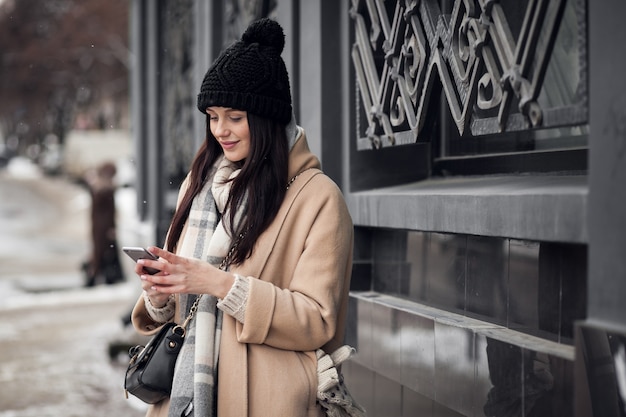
column 55, row 334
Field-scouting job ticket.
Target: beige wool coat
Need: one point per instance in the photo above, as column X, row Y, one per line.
column 297, row 303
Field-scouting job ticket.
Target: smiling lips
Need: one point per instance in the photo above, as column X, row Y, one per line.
column 228, row 144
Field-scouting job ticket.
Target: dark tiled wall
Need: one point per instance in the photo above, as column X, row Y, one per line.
column 535, row 287
column 428, row 365
column 410, row 364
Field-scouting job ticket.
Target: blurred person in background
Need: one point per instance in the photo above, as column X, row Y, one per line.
column 104, row 262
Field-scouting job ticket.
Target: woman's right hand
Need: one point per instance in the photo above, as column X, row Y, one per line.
column 157, row 299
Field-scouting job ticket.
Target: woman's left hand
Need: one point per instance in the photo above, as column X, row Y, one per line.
column 186, row 275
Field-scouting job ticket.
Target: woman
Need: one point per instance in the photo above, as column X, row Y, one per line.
column 254, row 186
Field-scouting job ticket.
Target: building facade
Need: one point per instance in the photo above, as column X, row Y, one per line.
column 480, row 146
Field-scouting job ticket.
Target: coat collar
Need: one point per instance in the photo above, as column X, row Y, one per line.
column 300, row 157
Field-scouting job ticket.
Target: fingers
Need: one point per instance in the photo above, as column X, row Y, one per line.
column 177, row 274
column 146, row 266
column 161, row 253
column 157, row 285
column 142, row 269
column 155, row 280
column 168, row 262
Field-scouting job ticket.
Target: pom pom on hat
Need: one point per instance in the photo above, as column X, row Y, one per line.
column 250, row 75
column 265, row 32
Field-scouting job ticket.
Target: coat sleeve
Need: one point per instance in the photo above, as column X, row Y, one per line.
column 303, row 314
column 142, row 321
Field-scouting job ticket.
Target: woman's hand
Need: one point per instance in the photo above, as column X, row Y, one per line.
column 182, row 275
column 157, row 299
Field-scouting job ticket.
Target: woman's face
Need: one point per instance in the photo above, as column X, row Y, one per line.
column 230, row 128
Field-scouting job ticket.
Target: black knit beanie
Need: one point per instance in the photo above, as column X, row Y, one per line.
column 250, row 75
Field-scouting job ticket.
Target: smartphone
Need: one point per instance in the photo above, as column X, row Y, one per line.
column 137, row 253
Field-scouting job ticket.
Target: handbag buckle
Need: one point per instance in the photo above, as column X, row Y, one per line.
column 134, row 352
column 179, row 330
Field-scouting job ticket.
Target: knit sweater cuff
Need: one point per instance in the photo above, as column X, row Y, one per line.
column 234, row 304
column 160, row 314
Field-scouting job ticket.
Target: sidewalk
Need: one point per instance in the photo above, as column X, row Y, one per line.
column 54, row 333
column 55, row 356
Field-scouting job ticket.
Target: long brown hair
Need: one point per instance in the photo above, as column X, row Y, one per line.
column 262, row 181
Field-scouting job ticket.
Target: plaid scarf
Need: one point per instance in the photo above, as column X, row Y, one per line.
column 194, row 391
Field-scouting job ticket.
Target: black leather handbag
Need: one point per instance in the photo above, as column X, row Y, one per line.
column 151, row 369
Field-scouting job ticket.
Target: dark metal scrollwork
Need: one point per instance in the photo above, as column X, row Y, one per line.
column 491, row 75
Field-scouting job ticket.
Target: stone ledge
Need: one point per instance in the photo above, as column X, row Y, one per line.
column 527, row 207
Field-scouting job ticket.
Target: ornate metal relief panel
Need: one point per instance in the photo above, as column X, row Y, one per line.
column 491, row 58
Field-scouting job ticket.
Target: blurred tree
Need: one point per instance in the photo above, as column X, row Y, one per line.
column 58, row 59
